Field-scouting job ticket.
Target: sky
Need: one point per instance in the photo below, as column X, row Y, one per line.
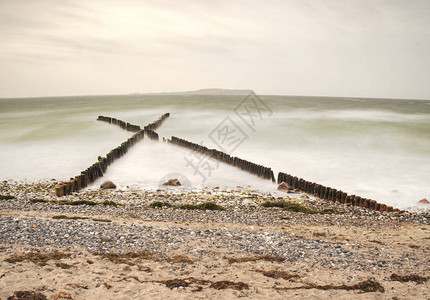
column 352, row 48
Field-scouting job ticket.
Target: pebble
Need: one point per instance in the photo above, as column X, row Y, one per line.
column 243, row 207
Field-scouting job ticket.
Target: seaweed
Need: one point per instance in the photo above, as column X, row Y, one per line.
column 102, row 220
column 406, row 278
column 225, row 284
column 159, row 204
column 27, row 295
column 179, row 259
column 255, row 258
column 218, row 285
column 295, row 207
column 202, row 206
column 367, row 286
column 36, row 257
column 175, row 283
column 64, row 217
column 278, row 274
column 39, row 201
column 88, row 202
column 63, row 265
column 126, row 258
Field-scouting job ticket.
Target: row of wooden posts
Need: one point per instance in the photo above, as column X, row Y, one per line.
column 151, row 134
column 97, row 170
column 154, row 125
column 260, row 171
column 312, row 188
column 122, row 124
column 331, row 194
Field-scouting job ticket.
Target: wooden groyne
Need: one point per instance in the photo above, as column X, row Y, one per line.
column 154, row 125
column 97, row 170
column 151, row 134
column 120, row 123
column 258, row 170
column 312, row 188
column 331, row 194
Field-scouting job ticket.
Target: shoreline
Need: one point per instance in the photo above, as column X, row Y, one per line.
column 338, row 250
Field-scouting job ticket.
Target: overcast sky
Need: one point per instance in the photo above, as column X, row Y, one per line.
column 362, row 48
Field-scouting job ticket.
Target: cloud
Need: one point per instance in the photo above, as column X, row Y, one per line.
column 356, row 48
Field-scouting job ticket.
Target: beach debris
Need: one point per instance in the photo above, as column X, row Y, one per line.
column 406, row 278
column 366, row 286
column 278, row 274
column 36, row 257
column 125, row 258
column 284, row 187
column 272, row 258
column 186, row 282
column 87, row 202
column 225, row 284
column 173, row 182
column 27, row 295
column 202, row 206
column 424, row 201
column 63, row 265
column 160, row 204
column 64, row 217
column 295, row 207
column 107, row 185
column 62, row 295
column 130, row 258
column 179, row 259
column 39, row 200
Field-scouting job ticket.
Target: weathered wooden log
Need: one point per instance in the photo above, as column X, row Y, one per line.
column 378, row 206
column 59, row 190
column 367, row 203
column 343, row 198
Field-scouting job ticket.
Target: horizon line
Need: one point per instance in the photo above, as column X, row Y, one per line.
column 183, row 93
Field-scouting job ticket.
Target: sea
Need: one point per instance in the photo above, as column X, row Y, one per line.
column 374, row 148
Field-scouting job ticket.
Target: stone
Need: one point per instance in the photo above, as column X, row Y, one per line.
column 425, row 201
column 173, row 182
column 284, row 187
column 108, row 185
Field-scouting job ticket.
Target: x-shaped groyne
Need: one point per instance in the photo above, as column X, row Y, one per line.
column 97, row 170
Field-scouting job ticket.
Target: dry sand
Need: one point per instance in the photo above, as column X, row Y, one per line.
column 89, row 276
column 202, row 268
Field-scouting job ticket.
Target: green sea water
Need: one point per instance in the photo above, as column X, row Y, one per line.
column 376, row 148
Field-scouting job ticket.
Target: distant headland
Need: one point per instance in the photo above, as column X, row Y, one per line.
column 214, row 91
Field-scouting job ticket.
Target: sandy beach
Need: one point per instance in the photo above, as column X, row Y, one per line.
column 120, row 245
